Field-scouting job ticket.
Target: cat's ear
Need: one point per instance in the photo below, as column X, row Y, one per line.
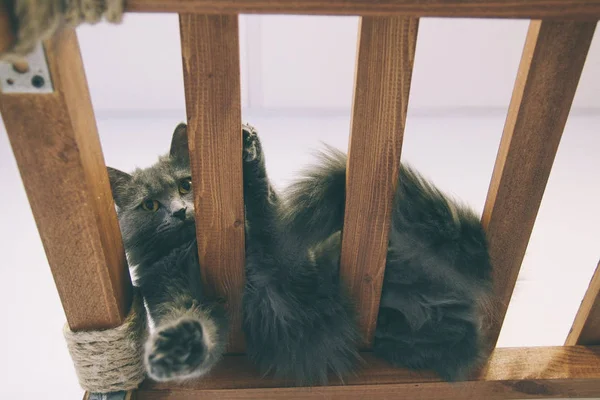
column 179, row 145
column 119, row 181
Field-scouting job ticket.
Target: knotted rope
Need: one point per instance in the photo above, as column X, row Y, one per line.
column 37, row 20
column 111, row 360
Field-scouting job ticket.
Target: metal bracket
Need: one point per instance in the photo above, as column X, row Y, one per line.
column 108, row 396
column 35, row 79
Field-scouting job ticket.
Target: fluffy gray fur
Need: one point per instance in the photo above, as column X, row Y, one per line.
column 298, row 321
column 437, row 281
column 299, row 324
column 190, row 328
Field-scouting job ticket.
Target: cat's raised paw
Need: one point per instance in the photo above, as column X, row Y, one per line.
column 176, row 351
column 252, row 147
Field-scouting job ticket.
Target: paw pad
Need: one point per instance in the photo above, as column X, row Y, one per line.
column 175, row 351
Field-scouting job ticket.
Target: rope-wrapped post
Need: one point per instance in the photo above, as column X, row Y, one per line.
column 110, row 360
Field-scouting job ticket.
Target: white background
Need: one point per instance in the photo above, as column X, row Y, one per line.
column 297, row 76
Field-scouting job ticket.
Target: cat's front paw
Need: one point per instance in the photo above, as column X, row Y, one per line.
column 252, row 147
column 176, row 351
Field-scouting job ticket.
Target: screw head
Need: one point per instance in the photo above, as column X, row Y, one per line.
column 37, row 81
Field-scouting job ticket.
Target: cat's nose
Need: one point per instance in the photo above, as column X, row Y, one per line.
column 180, row 213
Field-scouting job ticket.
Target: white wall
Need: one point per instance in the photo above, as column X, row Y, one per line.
column 299, row 62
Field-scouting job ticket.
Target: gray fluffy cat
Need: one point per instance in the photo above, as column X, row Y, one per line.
column 298, row 322
column 437, row 283
column 156, row 216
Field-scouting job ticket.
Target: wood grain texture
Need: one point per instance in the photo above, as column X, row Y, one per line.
column 386, row 50
column 7, row 35
column 586, row 326
column 512, row 373
column 55, row 142
column 547, row 78
column 529, row 9
column 211, row 68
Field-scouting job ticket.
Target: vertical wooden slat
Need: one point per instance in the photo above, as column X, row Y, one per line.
column 55, row 142
column 211, row 65
column 386, row 51
column 548, row 75
column 586, row 326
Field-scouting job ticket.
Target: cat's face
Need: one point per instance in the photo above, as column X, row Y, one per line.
column 156, row 204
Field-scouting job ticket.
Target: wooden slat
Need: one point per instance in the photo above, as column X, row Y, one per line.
column 586, row 326
column 548, row 75
column 512, row 373
column 386, row 49
column 529, row 9
column 55, row 142
column 212, row 90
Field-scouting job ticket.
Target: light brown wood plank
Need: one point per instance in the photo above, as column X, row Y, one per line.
column 386, row 50
column 55, row 142
column 211, row 68
column 512, row 373
column 548, row 75
column 529, row 9
column 586, row 326
column 6, row 29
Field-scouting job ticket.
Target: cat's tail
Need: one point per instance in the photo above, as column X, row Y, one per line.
column 314, row 204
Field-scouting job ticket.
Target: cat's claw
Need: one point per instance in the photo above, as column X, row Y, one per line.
column 252, row 147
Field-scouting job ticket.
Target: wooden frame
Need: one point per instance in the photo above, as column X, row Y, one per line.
column 529, row 9
column 69, row 148
column 526, row 373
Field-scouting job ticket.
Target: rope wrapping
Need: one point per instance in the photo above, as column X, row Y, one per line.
column 37, row 20
column 111, row 360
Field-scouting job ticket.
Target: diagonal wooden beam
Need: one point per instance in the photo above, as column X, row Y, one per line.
column 385, row 56
column 211, row 69
column 55, row 142
column 551, row 64
column 586, row 326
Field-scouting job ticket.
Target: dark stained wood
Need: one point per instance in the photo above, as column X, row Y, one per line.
column 548, row 75
column 386, row 51
column 211, row 68
column 586, row 326
column 529, row 9
column 55, row 142
column 6, row 29
column 512, row 373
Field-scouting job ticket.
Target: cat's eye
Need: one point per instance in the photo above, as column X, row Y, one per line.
column 185, row 186
column 150, row 205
